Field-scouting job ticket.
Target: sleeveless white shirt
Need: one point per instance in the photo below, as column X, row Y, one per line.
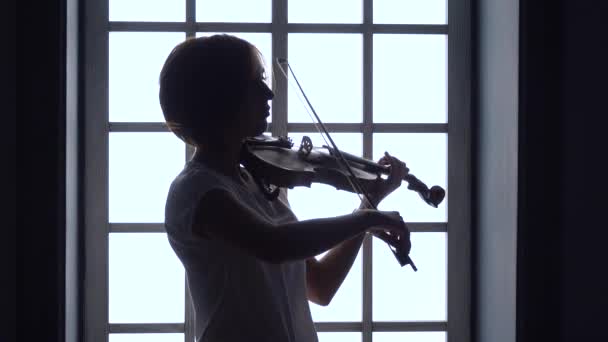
column 236, row 296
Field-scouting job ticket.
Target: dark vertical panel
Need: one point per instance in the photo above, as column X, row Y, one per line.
column 584, row 200
column 562, row 288
column 7, row 248
column 539, row 228
column 41, row 171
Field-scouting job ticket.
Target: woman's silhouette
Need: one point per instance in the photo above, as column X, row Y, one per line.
column 250, row 264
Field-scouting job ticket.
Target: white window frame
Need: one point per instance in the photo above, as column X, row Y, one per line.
column 459, row 134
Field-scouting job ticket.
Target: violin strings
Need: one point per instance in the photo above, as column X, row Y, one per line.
column 302, row 102
column 361, row 193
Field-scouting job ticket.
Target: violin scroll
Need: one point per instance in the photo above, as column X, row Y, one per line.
column 433, row 196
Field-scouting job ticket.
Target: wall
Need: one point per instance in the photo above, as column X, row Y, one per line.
column 45, row 227
column 497, row 170
column 8, row 251
column 583, row 182
column 560, row 284
column 540, row 152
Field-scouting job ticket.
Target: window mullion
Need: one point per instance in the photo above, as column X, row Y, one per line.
column 367, row 319
column 95, row 168
column 459, row 171
column 191, row 11
column 189, row 314
column 279, row 50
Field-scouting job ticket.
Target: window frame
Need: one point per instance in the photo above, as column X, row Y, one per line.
column 97, row 127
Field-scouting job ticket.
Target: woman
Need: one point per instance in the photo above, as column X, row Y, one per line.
column 250, row 264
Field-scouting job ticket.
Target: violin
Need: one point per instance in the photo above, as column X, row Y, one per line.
column 273, row 162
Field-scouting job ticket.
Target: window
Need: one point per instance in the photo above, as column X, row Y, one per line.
column 388, row 75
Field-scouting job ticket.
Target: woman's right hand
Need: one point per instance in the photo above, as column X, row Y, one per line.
column 389, row 227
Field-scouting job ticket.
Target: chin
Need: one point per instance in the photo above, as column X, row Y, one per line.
column 263, row 127
column 262, row 130
column 259, row 130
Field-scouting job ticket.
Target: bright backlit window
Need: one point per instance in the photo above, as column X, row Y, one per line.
column 385, row 75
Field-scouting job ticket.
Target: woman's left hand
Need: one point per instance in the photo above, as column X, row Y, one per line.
column 383, row 187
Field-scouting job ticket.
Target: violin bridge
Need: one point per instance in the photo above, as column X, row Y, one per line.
column 305, row 146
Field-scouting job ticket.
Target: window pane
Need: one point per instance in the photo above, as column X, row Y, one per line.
column 410, row 78
column 141, row 168
column 348, row 142
column 146, row 280
column 147, row 10
column 262, row 41
column 425, row 154
column 146, row 337
column 400, row 294
column 136, row 59
column 346, row 304
column 410, row 12
column 245, row 11
column 414, row 336
column 339, row 336
column 330, row 70
column 325, row 201
column 322, row 11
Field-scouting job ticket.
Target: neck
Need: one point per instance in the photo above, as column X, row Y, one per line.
column 224, row 159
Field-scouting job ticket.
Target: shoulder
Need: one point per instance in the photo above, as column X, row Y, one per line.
column 185, row 191
column 196, row 177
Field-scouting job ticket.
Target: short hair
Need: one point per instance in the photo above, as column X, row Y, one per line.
column 203, row 83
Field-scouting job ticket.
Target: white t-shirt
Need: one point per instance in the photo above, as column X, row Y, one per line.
column 236, row 296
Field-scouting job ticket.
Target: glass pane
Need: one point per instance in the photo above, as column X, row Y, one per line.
column 141, row 168
column 330, row 70
column 321, row 200
column 146, row 337
column 414, row 336
column 263, row 41
column 400, row 294
column 339, row 336
column 348, row 142
column 322, row 11
column 410, row 78
column 245, row 11
column 425, row 154
column 136, row 59
column 410, row 12
column 147, row 10
column 146, row 279
column 346, row 304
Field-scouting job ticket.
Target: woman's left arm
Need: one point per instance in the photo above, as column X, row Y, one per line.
column 324, row 277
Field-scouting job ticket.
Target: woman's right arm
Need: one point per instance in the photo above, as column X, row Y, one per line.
column 220, row 215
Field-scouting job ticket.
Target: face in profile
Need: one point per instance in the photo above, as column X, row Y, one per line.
column 256, row 109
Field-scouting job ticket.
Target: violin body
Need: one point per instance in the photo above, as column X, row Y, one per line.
column 273, row 161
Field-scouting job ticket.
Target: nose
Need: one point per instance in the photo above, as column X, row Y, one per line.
column 268, row 92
